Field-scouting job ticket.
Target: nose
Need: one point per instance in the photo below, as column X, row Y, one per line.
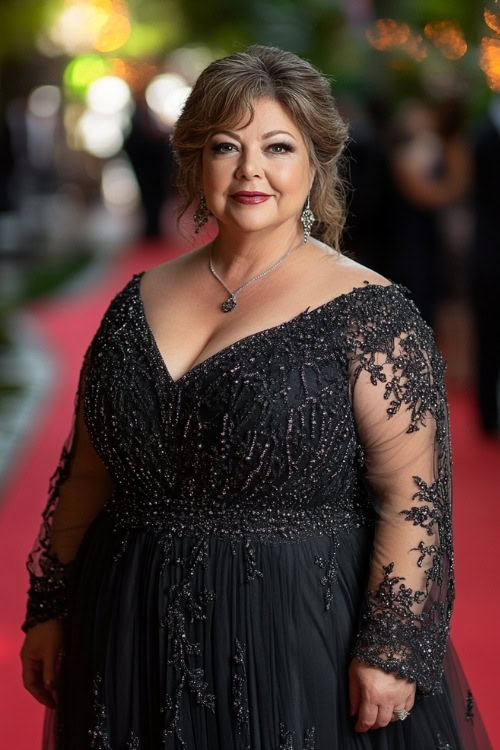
column 249, row 165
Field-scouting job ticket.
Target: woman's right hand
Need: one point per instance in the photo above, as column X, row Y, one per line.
column 39, row 654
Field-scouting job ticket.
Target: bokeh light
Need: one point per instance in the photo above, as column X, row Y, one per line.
column 492, row 19
column 448, row 37
column 387, row 33
column 83, row 71
column 44, row 101
column 166, row 95
column 101, row 135
column 109, row 95
column 84, row 25
column 113, row 34
column 137, row 73
column 416, row 47
column 489, row 60
column 119, row 187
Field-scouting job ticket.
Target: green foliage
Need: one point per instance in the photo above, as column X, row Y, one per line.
column 20, row 22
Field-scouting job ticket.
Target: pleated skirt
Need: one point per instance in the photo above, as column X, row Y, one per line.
column 184, row 643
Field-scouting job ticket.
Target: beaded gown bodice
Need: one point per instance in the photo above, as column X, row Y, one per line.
column 330, row 422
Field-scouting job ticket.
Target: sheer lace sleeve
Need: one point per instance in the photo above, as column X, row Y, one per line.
column 78, row 489
column 401, row 415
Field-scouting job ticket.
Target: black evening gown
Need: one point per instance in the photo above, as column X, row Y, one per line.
column 219, row 547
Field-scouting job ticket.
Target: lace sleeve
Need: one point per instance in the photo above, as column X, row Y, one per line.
column 401, row 414
column 77, row 491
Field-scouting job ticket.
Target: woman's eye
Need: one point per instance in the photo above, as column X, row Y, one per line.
column 219, row 148
column 285, row 147
column 229, row 148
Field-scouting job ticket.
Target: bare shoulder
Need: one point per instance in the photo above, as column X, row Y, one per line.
column 347, row 272
column 356, row 273
column 170, row 271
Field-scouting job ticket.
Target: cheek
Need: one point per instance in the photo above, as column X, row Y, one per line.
column 217, row 176
column 291, row 175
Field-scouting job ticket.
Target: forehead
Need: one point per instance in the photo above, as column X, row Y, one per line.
column 268, row 114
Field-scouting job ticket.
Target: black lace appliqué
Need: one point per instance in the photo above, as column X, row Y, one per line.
column 181, row 604
column 330, row 577
column 239, row 693
column 404, row 629
column 99, row 737
column 250, row 562
column 287, row 739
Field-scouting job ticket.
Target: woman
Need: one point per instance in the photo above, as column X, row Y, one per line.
column 248, row 540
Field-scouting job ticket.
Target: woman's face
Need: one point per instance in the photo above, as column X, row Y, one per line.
column 268, row 156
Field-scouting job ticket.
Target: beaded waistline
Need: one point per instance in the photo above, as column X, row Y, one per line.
column 269, row 523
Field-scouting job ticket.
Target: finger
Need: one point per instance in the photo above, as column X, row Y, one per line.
column 32, row 676
column 50, row 670
column 384, row 717
column 354, row 696
column 367, row 716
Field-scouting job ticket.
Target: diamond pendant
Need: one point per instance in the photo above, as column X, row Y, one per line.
column 229, row 304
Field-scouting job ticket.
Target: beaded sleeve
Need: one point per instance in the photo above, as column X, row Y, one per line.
column 401, row 415
column 77, row 491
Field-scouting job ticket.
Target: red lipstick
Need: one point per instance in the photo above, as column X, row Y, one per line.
column 249, row 197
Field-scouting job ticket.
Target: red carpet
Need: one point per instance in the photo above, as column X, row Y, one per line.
column 67, row 325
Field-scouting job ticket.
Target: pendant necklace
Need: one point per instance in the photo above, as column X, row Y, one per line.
column 230, row 303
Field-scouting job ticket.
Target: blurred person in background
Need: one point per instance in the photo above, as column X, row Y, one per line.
column 367, row 228
column 248, row 539
column 148, row 148
column 431, row 169
column 485, row 268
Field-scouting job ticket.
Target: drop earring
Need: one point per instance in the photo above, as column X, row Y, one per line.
column 307, row 218
column 201, row 214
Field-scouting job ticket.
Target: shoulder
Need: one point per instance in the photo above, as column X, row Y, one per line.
column 172, row 270
column 355, row 275
column 347, row 273
column 168, row 271
column 375, row 307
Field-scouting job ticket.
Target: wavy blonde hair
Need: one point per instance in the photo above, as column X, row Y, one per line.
column 225, row 90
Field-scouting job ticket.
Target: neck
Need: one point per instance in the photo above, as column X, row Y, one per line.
column 238, row 257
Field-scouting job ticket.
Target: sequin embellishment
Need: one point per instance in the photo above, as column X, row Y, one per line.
column 239, row 693
column 469, row 706
column 442, row 744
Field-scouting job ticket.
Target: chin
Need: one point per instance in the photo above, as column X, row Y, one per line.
column 253, row 223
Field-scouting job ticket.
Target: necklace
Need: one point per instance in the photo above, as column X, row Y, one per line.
column 230, row 303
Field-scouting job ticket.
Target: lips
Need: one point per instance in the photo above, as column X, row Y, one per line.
column 249, row 197
column 249, row 192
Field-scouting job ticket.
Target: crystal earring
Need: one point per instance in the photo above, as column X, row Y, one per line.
column 307, row 218
column 201, row 214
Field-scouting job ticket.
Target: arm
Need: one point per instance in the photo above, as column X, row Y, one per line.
column 401, row 414
column 78, row 489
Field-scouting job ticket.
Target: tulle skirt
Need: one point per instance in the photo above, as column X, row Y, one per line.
column 181, row 643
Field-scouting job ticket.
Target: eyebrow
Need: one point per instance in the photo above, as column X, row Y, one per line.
column 266, row 135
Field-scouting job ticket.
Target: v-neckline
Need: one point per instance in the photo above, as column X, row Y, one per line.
column 225, row 349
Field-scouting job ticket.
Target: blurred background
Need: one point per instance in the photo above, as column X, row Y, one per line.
column 89, row 93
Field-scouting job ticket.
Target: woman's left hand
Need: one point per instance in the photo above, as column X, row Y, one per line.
column 374, row 694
